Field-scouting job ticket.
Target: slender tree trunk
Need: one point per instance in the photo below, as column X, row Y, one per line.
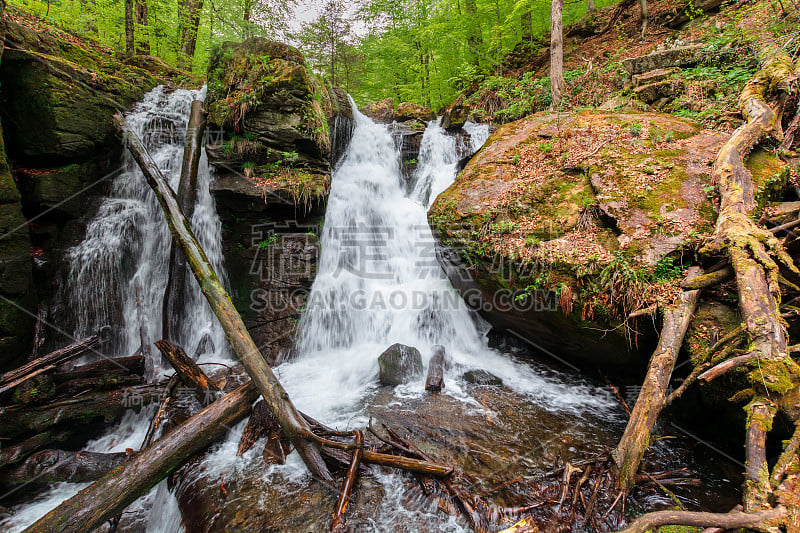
column 556, row 52
column 187, row 196
column 129, row 44
column 189, row 12
column 590, row 6
column 526, row 20
column 474, row 41
column 645, row 16
column 293, row 424
column 143, row 46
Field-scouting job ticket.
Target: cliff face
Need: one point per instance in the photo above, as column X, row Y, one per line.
column 57, row 153
column 276, row 132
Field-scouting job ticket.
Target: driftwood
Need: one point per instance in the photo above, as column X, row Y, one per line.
column 262, row 424
column 290, row 420
column 187, row 195
column 107, row 406
column 11, row 379
column 337, row 523
column 652, row 397
column 191, row 374
column 108, row 496
column 49, row 466
column 440, row 362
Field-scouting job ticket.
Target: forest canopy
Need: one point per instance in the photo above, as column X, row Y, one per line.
column 423, row 51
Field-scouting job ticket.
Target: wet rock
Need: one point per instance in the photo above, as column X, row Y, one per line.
column 660, row 90
column 399, row 364
column 381, row 112
column 456, row 114
column 483, row 378
column 409, row 111
column 683, row 56
column 572, row 208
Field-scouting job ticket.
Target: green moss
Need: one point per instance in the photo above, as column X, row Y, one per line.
column 769, row 175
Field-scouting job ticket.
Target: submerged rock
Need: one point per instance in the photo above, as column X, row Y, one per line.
column 563, row 225
column 399, row 364
column 482, row 377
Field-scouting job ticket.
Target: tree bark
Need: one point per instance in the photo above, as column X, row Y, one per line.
column 290, row 420
column 436, row 368
column 122, row 486
column 108, row 406
column 645, row 16
column 590, row 6
column 187, row 197
column 51, row 466
column 651, row 400
column 338, row 524
column 188, row 23
column 119, row 366
column 17, row 452
column 556, row 52
column 708, row 280
column 11, row 379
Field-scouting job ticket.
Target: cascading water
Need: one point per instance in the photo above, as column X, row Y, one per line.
column 117, row 276
column 378, row 283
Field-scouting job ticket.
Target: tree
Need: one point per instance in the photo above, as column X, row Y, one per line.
column 645, row 16
column 143, row 46
column 556, row 51
column 129, row 49
column 188, row 23
column 324, row 41
column 590, row 6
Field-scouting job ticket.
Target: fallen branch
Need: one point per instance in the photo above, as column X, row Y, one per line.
column 337, row 524
column 291, row 422
column 191, row 374
column 119, row 488
column 708, row 280
column 652, row 397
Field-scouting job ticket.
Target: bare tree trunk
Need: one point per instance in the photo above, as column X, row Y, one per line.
column 556, row 52
column 188, row 24
column 636, row 439
column 590, row 6
column 291, row 421
column 111, row 494
column 474, row 40
column 129, row 44
column 187, row 197
column 143, row 47
column 645, row 16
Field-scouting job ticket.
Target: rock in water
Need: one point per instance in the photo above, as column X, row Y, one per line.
column 482, row 377
column 399, row 364
column 456, row 114
column 381, row 112
column 440, row 362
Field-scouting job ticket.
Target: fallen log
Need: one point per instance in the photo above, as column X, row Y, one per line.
column 17, row 452
column 191, row 374
column 262, row 424
column 291, row 422
column 107, row 382
column 187, row 197
column 108, row 406
column 651, row 521
column 105, row 367
column 337, row 523
column 48, row 362
column 50, row 466
column 652, row 397
column 119, row 488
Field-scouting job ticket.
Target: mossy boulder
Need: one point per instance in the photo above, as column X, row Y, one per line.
column 399, row 364
column 409, row 111
column 381, row 112
column 562, row 225
column 274, row 120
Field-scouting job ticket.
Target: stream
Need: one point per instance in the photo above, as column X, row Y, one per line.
column 378, row 283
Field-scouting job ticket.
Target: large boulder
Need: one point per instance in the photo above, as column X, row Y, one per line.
column 381, row 112
column 399, row 364
column 409, row 111
column 562, row 225
column 682, row 56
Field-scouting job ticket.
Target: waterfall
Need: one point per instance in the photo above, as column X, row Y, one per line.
column 116, row 278
column 117, row 275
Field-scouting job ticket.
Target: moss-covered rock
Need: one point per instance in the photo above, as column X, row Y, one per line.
column 456, row 114
column 409, row 111
column 381, row 112
column 580, row 220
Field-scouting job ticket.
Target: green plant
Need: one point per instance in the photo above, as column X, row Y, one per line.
column 532, row 241
column 269, row 241
column 503, row 227
column 515, row 159
column 666, row 269
column 545, row 146
column 635, row 129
